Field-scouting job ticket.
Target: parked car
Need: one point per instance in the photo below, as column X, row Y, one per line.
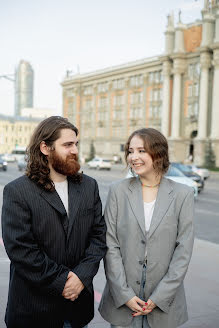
column 99, row 163
column 21, row 164
column 204, row 173
column 190, row 174
column 131, row 174
column 9, row 158
column 176, row 175
column 3, row 164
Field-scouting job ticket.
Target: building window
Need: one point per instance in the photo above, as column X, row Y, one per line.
column 190, row 90
column 100, row 132
column 117, row 115
column 193, row 110
column 196, row 109
column 116, row 131
column 136, row 98
column 196, row 89
column 88, row 103
column 88, row 90
column 102, row 116
column 102, row 87
column 118, row 84
column 136, row 81
column 156, row 94
column 155, row 111
column 103, row 102
column 193, row 71
column 118, row 100
column 155, row 77
column 136, row 113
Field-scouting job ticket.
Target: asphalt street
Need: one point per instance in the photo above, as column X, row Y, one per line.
column 202, row 280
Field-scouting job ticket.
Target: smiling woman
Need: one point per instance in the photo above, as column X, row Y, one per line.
column 145, row 268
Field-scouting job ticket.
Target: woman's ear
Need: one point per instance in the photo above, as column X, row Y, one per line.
column 44, row 148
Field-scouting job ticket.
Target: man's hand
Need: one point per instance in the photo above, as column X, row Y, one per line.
column 147, row 308
column 135, row 304
column 73, row 287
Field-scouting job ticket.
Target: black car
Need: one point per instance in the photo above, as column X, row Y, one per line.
column 190, row 174
column 3, row 164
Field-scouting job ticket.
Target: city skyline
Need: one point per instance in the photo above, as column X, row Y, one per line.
column 80, row 36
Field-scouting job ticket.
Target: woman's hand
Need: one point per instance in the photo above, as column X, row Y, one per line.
column 147, row 308
column 135, row 304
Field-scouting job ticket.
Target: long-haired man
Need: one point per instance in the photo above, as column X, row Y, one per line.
column 54, row 233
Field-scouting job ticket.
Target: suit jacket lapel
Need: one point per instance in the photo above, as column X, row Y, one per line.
column 163, row 201
column 74, row 199
column 136, row 201
column 54, row 200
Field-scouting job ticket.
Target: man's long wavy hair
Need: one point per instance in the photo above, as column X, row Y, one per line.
column 155, row 145
column 48, row 131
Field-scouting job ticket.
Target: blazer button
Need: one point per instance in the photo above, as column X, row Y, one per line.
column 138, row 282
column 141, row 262
column 142, row 241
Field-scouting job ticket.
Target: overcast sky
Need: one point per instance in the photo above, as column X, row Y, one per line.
column 56, row 35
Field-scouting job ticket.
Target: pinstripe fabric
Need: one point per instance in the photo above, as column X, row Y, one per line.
column 44, row 244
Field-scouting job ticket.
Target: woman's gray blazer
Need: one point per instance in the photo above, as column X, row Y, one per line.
column 169, row 245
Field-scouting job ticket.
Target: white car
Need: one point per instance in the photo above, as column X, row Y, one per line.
column 204, row 173
column 9, row 157
column 99, row 163
column 176, row 175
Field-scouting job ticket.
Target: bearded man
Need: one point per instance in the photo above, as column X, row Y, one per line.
column 53, row 232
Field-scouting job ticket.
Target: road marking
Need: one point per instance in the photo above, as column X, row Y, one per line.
column 206, row 212
column 97, row 296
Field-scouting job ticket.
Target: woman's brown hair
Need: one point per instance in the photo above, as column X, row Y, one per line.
column 37, row 164
column 155, row 144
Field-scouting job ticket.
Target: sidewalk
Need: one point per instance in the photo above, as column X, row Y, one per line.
column 202, row 288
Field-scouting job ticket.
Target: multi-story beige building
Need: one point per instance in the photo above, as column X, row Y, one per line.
column 176, row 92
column 15, row 132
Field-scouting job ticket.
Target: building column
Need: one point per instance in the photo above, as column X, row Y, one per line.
column 215, row 106
column 109, row 114
column 205, row 61
column 178, row 70
column 126, row 111
column 166, row 98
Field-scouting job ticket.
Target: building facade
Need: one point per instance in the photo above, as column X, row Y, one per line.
column 24, row 77
column 15, row 132
column 176, row 93
column 37, row 112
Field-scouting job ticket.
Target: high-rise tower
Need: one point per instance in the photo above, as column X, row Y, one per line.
column 23, row 86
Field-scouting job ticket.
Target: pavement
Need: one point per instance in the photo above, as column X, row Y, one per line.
column 201, row 286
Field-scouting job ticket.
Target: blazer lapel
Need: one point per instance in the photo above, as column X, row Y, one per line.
column 74, row 199
column 136, row 202
column 54, row 200
column 163, row 201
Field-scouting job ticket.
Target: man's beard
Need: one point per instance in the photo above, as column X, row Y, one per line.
column 67, row 167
